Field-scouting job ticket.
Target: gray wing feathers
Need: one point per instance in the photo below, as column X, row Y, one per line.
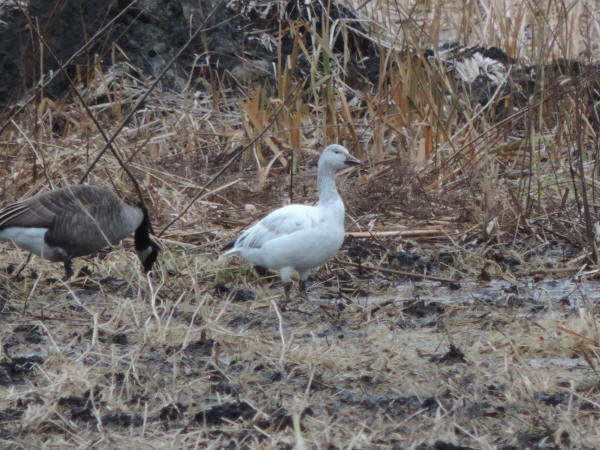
column 82, row 218
column 11, row 213
column 95, row 216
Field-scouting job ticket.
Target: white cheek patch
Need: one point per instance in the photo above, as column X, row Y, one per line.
column 143, row 254
column 30, row 239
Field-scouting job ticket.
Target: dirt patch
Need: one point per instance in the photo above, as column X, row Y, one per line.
column 436, row 363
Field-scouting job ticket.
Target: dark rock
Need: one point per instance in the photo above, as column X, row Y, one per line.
column 151, row 32
column 148, row 33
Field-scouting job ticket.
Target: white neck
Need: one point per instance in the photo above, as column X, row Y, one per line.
column 326, row 184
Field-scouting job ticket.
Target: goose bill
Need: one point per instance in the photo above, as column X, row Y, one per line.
column 351, row 161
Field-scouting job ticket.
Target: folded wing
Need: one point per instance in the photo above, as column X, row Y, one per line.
column 281, row 222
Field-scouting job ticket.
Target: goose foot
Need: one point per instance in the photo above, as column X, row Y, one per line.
column 18, row 274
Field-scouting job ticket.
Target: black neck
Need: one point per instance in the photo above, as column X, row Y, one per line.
column 142, row 234
column 143, row 242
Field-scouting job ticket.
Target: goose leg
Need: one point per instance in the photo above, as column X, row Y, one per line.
column 15, row 276
column 302, row 287
column 60, row 254
column 66, row 259
column 302, row 276
column 68, row 269
column 286, row 275
column 287, row 286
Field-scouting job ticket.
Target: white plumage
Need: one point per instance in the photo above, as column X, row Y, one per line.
column 299, row 237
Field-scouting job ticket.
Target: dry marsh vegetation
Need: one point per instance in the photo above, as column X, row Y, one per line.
column 461, row 311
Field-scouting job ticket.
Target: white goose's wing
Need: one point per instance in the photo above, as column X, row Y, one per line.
column 281, row 222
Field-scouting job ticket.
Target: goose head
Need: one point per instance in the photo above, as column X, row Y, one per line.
column 145, row 247
column 336, row 157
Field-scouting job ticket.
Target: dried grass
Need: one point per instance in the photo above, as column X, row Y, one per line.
column 184, row 358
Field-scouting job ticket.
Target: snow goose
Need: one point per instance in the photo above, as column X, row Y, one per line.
column 75, row 221
column 299, row 237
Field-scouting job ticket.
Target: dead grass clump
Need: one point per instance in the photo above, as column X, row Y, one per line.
column 422, row 331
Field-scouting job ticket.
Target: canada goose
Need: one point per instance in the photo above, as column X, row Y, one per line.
column 299, row 237
column 75, row 221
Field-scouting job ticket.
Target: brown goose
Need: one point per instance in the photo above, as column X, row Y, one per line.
column 74, row 221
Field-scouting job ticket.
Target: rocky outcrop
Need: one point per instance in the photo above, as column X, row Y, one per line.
column 240, row 39
column 247, row 42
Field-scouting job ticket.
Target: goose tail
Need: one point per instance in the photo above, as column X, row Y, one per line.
column 229, row 253
column 231, row 250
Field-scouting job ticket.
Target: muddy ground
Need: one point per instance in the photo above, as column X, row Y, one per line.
column 207, row 354
column 461, row 312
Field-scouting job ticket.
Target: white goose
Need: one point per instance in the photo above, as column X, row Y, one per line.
column 299, row 237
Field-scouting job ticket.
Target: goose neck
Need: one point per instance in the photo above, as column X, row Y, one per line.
column 142, row 233
column 326, row 184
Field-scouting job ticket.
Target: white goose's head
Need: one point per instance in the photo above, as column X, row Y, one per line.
column 336, row 157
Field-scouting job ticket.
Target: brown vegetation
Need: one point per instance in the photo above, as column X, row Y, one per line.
column 405, row 342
